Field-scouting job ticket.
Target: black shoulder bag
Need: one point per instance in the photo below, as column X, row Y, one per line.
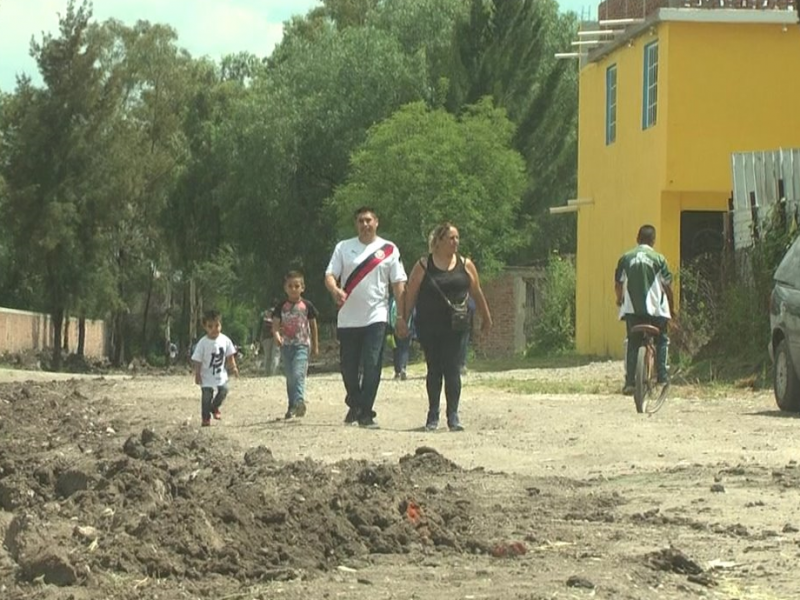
column 459, row 313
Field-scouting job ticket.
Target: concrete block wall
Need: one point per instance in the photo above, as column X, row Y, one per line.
column 23, row 331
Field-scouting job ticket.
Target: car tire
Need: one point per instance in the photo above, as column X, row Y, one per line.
column 785, row 381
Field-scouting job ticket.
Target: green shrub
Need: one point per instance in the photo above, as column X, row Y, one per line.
column 701, row 301
column 554, row 330
column 733, row 308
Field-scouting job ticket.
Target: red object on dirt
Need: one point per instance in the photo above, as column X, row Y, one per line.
column 413, row 512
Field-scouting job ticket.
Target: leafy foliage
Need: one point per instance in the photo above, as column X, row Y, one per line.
column 506, row 50
column 730, row 312
column 421, row 167
column 555, row 325
column 141, row 185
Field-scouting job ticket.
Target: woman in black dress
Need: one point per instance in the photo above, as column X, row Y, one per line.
column 443, row 274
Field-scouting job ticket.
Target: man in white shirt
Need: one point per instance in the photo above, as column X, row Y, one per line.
column 358, row 277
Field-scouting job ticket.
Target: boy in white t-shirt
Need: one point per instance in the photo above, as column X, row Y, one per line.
column 210, row 357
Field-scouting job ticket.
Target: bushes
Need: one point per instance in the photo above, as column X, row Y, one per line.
column 554, row 330
column 724, row 314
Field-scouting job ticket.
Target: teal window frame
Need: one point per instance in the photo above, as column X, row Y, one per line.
column 611, row 104
column 650, row 86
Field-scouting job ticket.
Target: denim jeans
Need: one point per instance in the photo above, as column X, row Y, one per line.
column 272, row 356
column 402, row 348
column 635, row 340
column 209, row 402
column 443, row 359
column 295, row 366
column 361, row 359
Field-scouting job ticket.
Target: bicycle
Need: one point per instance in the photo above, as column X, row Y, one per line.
column 646, row 394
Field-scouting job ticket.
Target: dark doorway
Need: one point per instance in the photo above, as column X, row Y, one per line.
column 702, row 236
column 702, row 245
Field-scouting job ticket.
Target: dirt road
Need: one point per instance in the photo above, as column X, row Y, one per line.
column 109, row 488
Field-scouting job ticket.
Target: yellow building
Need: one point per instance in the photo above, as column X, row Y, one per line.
column 662, row 107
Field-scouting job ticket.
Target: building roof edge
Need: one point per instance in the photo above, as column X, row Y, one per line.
column 695, row 15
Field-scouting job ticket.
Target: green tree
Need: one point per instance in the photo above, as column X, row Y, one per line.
column 423, row 166
column 199, row 214
column 52, row 139
column 506, row 50
column 148, row 151
column 427, row 28
column 287, row 142
column 554, row 330
column 346, row 13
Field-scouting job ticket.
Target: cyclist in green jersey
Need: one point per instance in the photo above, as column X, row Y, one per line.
column 642, row 283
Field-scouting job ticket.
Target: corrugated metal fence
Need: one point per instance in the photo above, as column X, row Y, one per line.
column 763, row 181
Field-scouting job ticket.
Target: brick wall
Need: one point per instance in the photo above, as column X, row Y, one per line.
column 637, row 9
column 500, row 340
column 22, row 331
column 513, row 306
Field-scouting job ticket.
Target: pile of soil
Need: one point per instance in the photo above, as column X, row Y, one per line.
column 93, row 506
column 84, row 503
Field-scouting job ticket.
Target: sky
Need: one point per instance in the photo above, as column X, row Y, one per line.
column 210, row 28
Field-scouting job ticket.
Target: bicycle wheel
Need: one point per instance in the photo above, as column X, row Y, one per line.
column 640, row 388
column 655, row 397
column 650, row 375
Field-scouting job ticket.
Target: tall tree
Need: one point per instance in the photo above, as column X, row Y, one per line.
column 148, row 153
column 421, row 167
column 288, row 143
column 427, row 28
column 52, row 139
column 198, row 208
column 507, row 51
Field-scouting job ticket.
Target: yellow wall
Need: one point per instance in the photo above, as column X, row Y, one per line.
column 722, row 88
column 623, row 179
column 732, row 88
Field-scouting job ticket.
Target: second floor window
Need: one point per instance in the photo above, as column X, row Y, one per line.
column 650, row 90
column 611, row 104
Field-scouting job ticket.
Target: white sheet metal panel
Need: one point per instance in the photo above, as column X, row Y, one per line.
column 759, row 173
column 790, row 167
column 742, row 219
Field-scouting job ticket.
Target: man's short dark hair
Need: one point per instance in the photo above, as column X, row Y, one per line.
column 211, row 315
column 647, row 235
column 293, row 275
column 364, row 209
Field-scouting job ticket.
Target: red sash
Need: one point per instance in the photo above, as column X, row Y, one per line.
column 367, row 266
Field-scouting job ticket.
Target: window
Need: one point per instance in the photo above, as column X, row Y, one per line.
column 611, row 104
column 650, row 92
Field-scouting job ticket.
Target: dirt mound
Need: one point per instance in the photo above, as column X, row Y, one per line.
column 83, row 501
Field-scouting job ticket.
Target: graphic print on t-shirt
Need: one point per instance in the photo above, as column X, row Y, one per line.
column 216, row 362
column 295, row 319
